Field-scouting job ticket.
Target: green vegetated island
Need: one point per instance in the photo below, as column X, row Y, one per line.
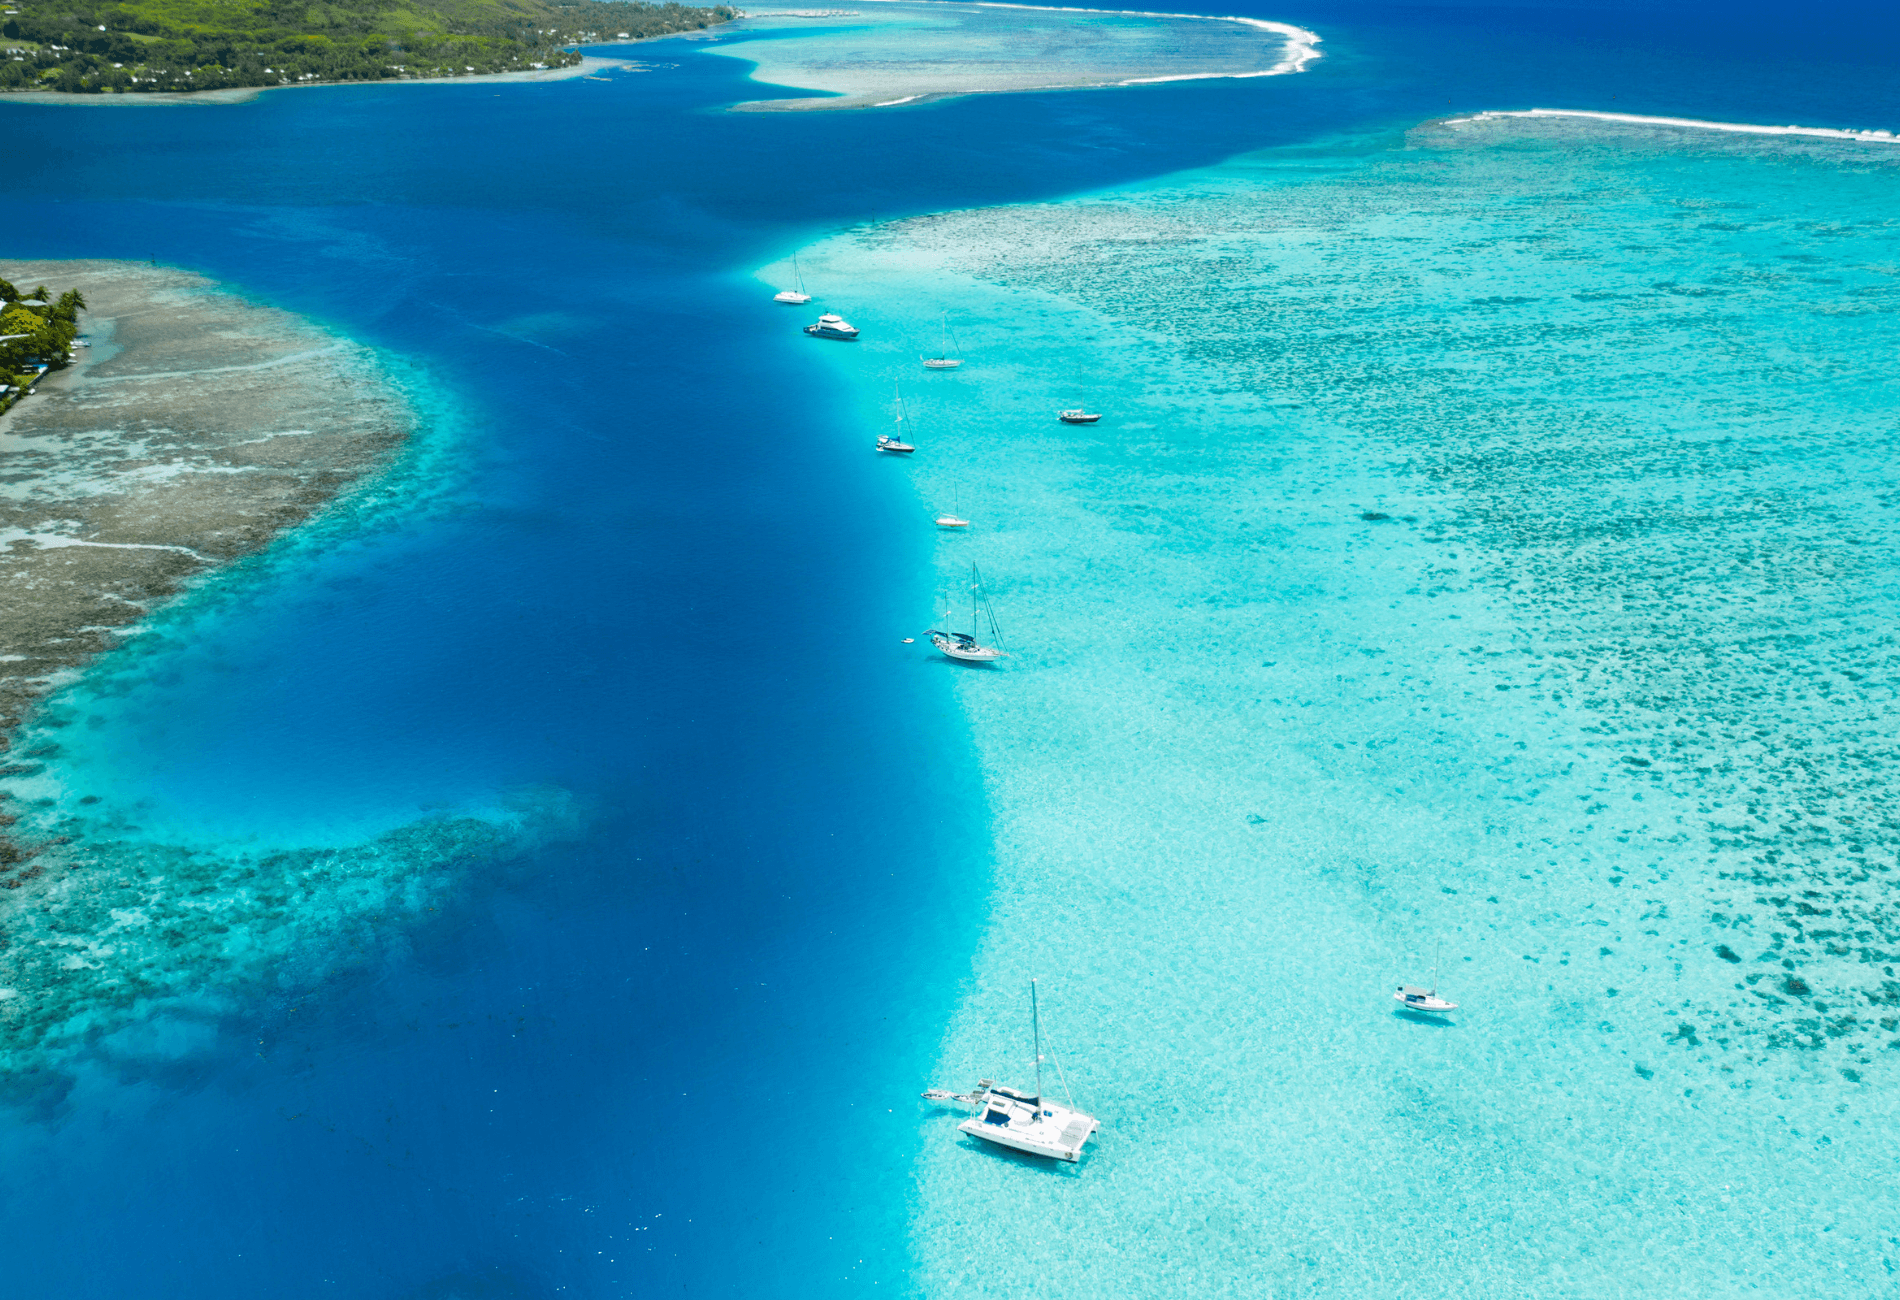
column 37, row 333
column 132, row 46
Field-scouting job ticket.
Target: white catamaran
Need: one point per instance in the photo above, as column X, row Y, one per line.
column 1025, row 1121
column 796, row 297
column 964, row 645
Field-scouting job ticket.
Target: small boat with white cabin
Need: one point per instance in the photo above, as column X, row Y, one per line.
column 1076, row 415
column 964, row 645
column 943, row 360
column 794, row 297
column 1424, row 1001
column 832, row 326
column 1025, row 1121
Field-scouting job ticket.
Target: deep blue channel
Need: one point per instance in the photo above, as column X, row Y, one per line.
column 672, row 584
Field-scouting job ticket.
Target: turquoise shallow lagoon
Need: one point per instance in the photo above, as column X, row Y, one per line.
column 1487, row 547
column 555, row 875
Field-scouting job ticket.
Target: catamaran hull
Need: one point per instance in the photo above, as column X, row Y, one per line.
column 939, row 363
column 848, row 336
column 1004, row 1138
column 792, row 299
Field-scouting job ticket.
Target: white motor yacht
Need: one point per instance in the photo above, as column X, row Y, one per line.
column 830, row 326
column 1024, row 1121
column 795, row 297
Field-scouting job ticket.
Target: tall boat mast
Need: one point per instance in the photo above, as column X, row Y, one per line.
column 1035, row 1022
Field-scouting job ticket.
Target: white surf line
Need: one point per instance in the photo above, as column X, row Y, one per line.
column 54, row 541
column 1303, row 45
column 1743, row 128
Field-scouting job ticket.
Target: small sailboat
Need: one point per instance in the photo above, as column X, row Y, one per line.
column 795, row 297
column 1426, row 1001
column 1076, row 415
column 896, row 444
column 831, row 326
column 964, row 645
column 953, row 519
column 943, row 360
column 1025, row 1121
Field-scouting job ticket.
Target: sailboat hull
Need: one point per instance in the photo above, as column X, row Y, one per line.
column 792, row 298
column 940, row 363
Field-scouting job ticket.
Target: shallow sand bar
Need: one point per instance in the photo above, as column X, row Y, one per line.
column 882, row 54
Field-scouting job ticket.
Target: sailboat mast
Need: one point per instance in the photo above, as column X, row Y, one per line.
column 1035, row 1021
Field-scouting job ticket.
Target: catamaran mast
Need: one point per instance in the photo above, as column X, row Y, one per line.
column 1035, row 1020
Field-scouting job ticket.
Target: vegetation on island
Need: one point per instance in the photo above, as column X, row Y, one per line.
column 129, row 46
column 36, row 335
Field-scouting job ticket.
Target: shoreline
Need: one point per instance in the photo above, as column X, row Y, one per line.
column 589, row 64
column 197, row 429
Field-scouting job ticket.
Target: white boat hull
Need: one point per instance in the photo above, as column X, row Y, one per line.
column 1053, row 1131
column 1423, row 1000
column 940, row 363
column 792, row 297
column 969, row 654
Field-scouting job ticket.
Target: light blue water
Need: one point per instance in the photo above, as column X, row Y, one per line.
column 655, row 578
column 1485, row 548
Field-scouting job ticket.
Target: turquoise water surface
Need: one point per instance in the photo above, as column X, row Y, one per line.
column 1487, row 550
column 553, row 872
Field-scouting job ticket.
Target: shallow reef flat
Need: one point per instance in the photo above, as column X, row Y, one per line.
column 885, row 53
column 1488, row 546
column 198, row 429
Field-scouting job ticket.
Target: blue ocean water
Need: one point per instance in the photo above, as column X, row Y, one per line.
column 653, row 568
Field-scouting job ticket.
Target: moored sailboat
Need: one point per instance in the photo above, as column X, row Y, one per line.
column 1426, row 1001
column 1025, row 1121
column 795, row 297
column 897, row 444
column 965, row 645
column 943, row 360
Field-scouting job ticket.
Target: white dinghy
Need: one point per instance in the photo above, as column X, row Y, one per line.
column 1025, row 1121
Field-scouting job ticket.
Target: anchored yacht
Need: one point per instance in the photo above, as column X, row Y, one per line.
column 1427, row 1001
column 795, row 297
column 896, row 444
column 1078, row 416
column 964, row 645
column 1021, row 1120
column 943, row 360
column 831, row 326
